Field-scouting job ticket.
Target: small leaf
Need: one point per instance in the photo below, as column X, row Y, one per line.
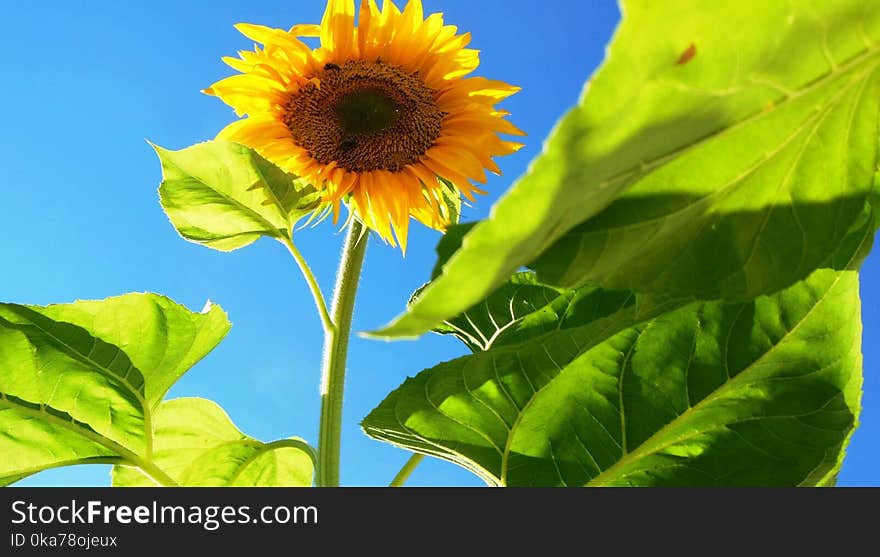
column 731, row 176
column 198, row 446
column 226, row 196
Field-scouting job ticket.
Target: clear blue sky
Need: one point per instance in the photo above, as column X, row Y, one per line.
column 86, row 82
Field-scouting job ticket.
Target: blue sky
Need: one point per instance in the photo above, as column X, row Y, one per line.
column 87, row 82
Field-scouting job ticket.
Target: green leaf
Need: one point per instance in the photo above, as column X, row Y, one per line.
column 524, row 308
column 449, row 243
column 79, row 382
column 721, row 152
column 198, row 446
column 160, row 337
column 758, row 393
column 451, row 200
column 226, row 196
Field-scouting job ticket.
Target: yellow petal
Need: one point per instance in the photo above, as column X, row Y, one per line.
column 470, row 134
column 368, row 12
column 306, row 30
column 462, row 159
column 337, row 29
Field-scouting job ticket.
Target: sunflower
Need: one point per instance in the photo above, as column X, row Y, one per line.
column 380, row 116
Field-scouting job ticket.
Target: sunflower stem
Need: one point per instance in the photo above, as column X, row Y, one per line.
column 335, row 353
column 320, row 301
column 411, row 464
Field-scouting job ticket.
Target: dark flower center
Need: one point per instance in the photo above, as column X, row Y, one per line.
column 365, row 116
column 366, row 111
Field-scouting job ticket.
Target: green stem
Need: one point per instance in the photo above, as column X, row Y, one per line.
column 335, row 353
column 301, row 444
column 157, row 474
column 407, row 469
column 312, row 282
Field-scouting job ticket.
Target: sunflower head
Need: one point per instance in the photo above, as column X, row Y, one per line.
column 381, row 116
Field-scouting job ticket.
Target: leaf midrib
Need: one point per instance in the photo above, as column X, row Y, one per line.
column 106, row 372
column 811, row 123
column 644, row 167
column 263, row 448
column 147, row 466
column 267, row 188
column 819, row 118
column 25, row 472
column 74, row 427
column 271, row 229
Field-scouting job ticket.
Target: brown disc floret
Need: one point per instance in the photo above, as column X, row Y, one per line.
column 365, row 116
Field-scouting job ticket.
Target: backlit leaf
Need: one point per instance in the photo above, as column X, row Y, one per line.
column 721, row 151
column 226, row 196
column 598, row 387
column 197, row 445
column 83, row 383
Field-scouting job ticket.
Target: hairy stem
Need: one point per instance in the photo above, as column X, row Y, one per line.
column 335, row 353
column 407, row 469
column 320, row 303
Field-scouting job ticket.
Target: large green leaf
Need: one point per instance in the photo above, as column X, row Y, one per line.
column 226, row 196
column 745, row 138
column 597, row 387
column 79, row 382
column 161, row 338
column 83, row 383
column 197, row 445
